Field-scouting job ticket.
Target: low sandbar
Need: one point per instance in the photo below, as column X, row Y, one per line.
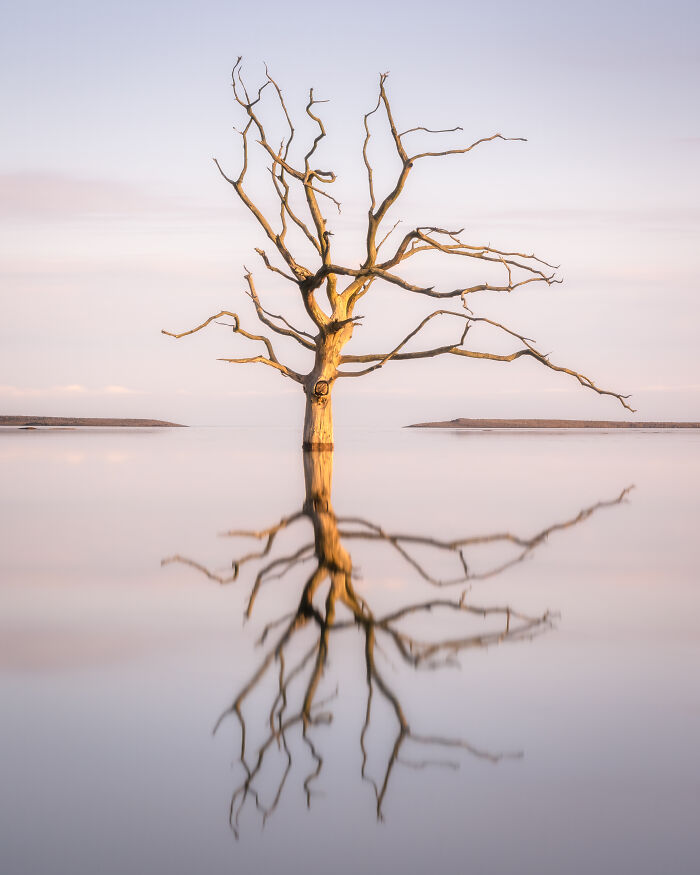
column 83, row 422
column 552, row 423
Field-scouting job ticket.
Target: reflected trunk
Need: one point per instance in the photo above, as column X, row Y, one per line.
column 318, row 481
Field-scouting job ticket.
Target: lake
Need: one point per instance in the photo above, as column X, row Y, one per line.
column 521, row 612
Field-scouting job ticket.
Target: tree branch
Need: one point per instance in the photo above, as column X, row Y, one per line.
column 301, row 337
column 456, row 349
column 322, row 175
column 463, row 150
column 384, row 359
column 272, row 359
column 260, row 359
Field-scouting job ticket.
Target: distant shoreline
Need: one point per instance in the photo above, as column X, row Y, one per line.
column 551, row 423
column 83, row 422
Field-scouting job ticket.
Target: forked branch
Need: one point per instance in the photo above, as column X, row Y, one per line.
column 395, row 354
column 271, row 359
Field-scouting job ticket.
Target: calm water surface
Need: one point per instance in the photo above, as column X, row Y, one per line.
column 521, row 610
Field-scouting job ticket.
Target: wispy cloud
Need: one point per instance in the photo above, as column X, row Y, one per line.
column 279, row 392
column 37, row 196
column 641, row 215
column 55, row 196
column 72, row 389
column 409, row 390
column 660, row 387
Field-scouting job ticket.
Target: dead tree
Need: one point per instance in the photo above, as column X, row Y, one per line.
column 296, row 666
column 330, row 291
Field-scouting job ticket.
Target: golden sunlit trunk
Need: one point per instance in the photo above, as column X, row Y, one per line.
column 318, row 418
column 318, row 422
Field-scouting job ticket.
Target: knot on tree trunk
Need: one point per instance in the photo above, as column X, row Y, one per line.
column 321, row 388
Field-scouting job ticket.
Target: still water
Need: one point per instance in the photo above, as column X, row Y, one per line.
column 480, row 653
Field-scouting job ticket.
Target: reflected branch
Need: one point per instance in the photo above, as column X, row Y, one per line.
column 527, row 544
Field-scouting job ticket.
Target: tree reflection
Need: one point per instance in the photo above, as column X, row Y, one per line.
column 329, row 604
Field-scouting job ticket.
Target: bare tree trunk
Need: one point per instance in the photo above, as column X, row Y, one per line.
column 318, row 422
column 318, row 385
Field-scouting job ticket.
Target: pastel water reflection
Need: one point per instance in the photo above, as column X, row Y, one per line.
column 479, row 651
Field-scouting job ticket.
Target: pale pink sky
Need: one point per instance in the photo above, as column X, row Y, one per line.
column 114, row 223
